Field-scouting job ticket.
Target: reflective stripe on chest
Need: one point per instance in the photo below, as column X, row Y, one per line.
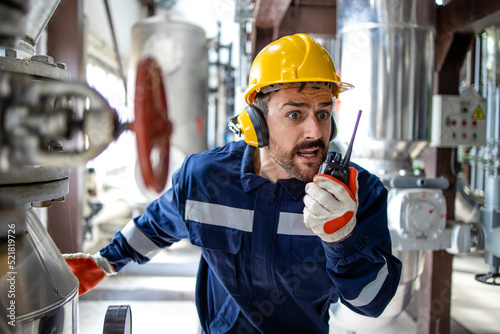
column 242, row 219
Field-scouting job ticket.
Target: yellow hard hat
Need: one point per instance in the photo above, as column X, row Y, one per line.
column 294, row 58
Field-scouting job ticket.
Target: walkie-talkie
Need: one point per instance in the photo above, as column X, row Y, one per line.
column 334, row 165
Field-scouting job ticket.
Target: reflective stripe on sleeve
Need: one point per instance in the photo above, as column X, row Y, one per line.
column 293, row 224
column 219, row 215
column 139, row 241
column 372, row 289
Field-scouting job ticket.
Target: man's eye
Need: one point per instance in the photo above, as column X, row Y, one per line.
column 294, row 115
column 323, row 115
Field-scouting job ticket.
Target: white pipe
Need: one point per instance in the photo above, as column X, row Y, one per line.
column 493, row 242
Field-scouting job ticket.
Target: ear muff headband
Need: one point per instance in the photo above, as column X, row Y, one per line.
column 333, row 130
column 252, row 124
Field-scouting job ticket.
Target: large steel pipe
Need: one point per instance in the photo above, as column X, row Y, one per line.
column 386, row 50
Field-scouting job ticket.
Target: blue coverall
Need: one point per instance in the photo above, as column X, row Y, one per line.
column 262, row 269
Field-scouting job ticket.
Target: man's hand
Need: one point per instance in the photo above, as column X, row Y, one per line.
column 90, row 269
column 331, row 206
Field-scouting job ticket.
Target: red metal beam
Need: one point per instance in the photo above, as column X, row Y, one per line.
column 269, row 13
column 318, row 17
column 275, row 18
column 462, row 17
column 434, row 297
column 65, row 44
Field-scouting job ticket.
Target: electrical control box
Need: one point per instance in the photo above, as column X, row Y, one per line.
column 417, row 218
column 458, row 120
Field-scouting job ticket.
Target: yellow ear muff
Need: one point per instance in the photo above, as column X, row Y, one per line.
column 247, row 128
column 252, row 124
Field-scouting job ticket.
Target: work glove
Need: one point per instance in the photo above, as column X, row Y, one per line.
column 90, row 269
column 331, row 206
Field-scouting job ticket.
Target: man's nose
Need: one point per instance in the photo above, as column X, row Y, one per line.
column 313, row 128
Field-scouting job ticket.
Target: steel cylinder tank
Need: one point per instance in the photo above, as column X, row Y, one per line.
column 181, row 49
column 386, row 50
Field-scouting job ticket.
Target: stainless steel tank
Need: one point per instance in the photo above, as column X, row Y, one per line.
column 38, row 290
column 386, row 50
column 181, row 49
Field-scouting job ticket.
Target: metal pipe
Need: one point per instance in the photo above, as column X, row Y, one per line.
column 490, row 220
column 39, row 14
column 491, row 87
column 477, row 65
column 117, row 51
column 493, row 242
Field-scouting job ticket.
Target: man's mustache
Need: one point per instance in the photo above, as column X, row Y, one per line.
column 310, row 144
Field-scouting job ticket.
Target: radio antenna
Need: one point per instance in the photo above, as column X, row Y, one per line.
column 347, row 156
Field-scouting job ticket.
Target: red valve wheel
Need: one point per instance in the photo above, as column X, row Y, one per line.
column 152, row 126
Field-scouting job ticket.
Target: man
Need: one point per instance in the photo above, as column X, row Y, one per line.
column 277, row 249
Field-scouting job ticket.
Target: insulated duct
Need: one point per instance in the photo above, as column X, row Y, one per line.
column 386, row 50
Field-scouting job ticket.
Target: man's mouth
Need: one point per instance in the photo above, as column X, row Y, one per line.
column 310, row 150
column 310, row 153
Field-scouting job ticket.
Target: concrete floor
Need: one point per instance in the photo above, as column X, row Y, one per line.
column 160, row 294
column 161, row 297
column 475, row 305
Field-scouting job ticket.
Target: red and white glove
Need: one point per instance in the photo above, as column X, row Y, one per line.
column 90, row 269
column 331, row 206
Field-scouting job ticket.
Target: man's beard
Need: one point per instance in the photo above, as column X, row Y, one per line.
column 286, row 159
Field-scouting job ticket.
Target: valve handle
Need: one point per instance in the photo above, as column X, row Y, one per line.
column 151, row 125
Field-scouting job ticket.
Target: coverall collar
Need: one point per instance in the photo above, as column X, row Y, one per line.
column 250, row 180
